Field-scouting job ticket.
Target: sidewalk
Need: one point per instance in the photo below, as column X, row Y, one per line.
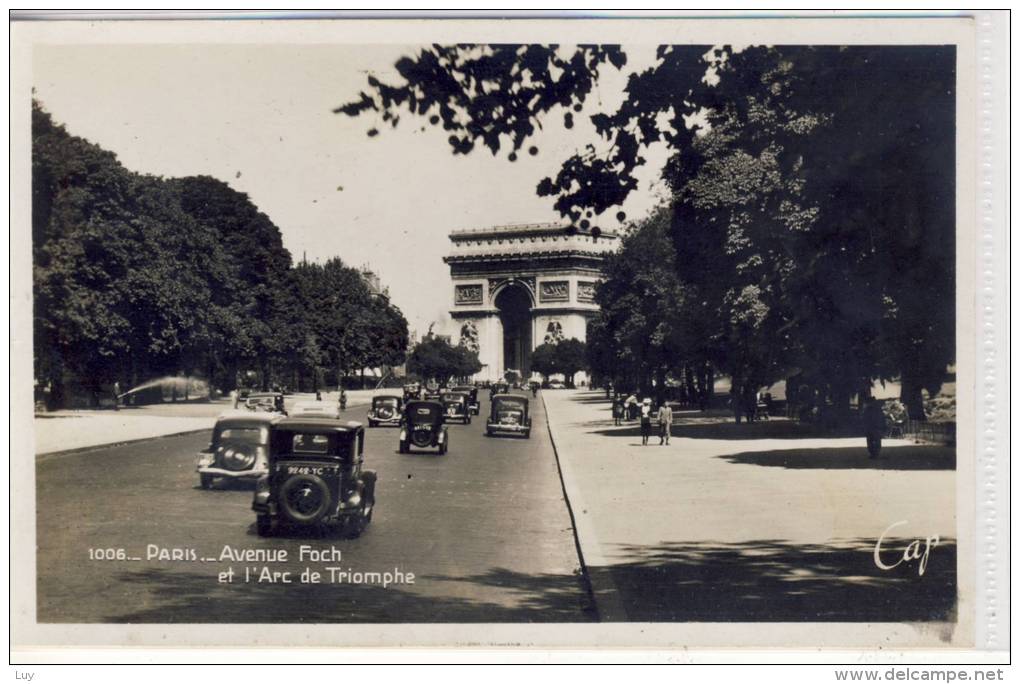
column 752, row 522
column 72, row 430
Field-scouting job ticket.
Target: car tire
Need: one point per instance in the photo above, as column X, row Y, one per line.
column 206, row 481
column 403, row 448
column 314, row 484
column 527, row 434
column 263, row 525
column 368, row 478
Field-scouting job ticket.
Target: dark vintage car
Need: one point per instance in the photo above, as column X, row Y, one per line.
column 456, row 407
column 433, row 391
column 238, row 449
column 315, row 477
column 509, row 415
column 387, row 409
column 472, row 393
column 412, row 390
column 423, row 427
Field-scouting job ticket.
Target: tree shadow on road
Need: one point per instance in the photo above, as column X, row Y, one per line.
column 909, row 457
column 161, row 595
column 778, row 581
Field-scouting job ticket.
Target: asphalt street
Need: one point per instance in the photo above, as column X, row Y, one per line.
column 484, row 530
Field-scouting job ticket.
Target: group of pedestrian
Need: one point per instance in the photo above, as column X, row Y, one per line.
column 631, row 409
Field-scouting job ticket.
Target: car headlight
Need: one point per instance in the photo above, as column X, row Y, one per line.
column 233, row 458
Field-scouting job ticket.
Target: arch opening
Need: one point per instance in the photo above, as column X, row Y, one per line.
column 514, row 306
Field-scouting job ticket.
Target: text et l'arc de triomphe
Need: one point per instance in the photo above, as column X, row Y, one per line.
column 517, row 286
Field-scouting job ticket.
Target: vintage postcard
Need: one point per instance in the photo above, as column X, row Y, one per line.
column 497, row 333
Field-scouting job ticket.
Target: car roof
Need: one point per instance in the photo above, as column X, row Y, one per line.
column 317, row 423
column 243, row 416
column 387, row 396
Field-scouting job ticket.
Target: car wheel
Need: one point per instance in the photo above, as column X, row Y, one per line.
column 403, row 447
column 527, row 434
column 206, row 481
column 263, row 525
column 305, row 499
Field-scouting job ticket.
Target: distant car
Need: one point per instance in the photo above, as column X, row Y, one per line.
column 238, row 449
column 509, row 415
column 386, row 409
column 432, row 391
column 315, row 477
column 456, row 407
column 412, row 390
column 265, row 401
column 423, row 427
column 323, row 409
column 472, row 394
column 557, row 384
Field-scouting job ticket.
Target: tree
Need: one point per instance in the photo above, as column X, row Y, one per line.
column 571, row 358
column 436, row 358
column 543, row 359
column 137, row 276
column 826, row 212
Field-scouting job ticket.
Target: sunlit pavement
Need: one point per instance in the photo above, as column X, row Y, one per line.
column 484, row 529
column 753, row 522
column 70, row 430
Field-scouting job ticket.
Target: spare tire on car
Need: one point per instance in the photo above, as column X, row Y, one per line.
column 305, row 499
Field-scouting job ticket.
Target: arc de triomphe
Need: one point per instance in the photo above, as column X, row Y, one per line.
column 514, row 287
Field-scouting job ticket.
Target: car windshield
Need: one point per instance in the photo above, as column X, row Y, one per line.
column 389, row 402
column 245, row 435
column 510, row 404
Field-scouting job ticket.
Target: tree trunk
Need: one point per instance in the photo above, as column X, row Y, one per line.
column 913, row 401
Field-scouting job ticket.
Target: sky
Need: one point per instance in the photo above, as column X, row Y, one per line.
column 260, row 117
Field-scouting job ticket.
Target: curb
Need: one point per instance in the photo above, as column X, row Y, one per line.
column 601, row 589
column 97, row 447
column 108, row 445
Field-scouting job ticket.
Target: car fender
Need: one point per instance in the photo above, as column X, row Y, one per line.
column 403, row 434
column 442, row 436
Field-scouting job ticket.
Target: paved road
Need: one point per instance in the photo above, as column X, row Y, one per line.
column 484, row 529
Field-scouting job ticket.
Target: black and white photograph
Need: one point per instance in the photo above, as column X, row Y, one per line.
column 519, row 332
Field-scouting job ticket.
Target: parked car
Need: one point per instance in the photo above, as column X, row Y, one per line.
column 423, row 427
column 472, row 394
column 323, row 409
column 238, row 448
column 557, row 385
column 387, row 409
column 455, row 406
column 315, row 476
column 509, row 415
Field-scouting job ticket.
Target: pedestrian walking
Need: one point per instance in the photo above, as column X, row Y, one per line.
column 874, row 427
column 646, row 421
column 632, row 407
column 617, row 411
column 665, row 417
